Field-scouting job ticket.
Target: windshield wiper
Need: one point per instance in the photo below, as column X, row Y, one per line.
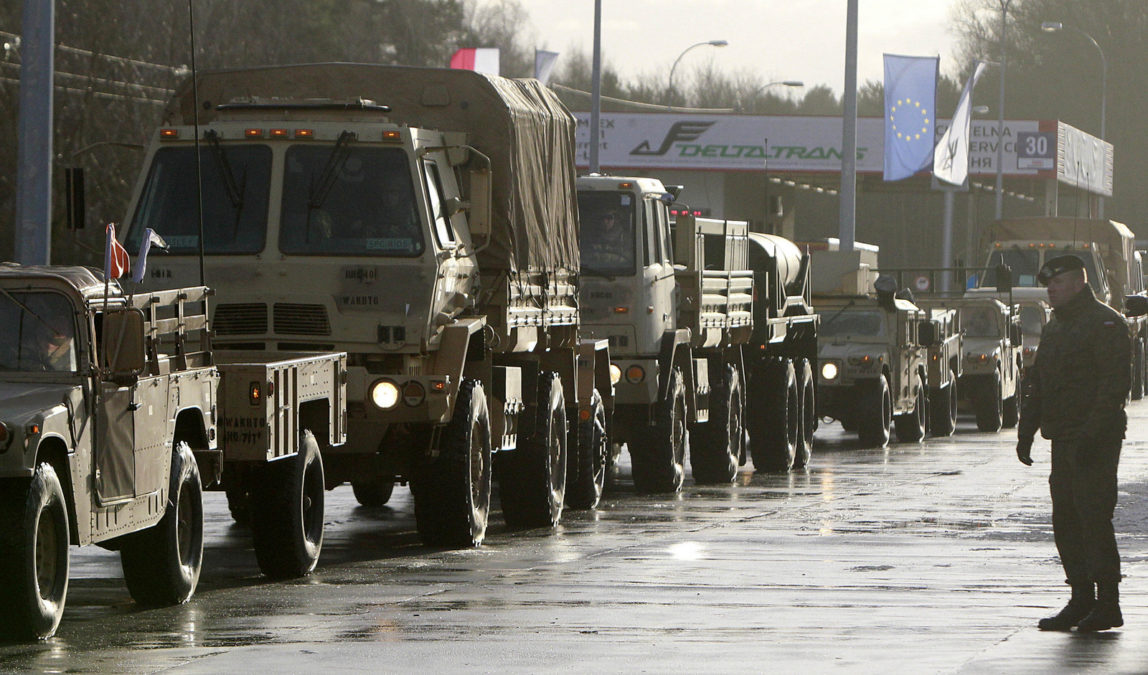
column 320, row 189
column 234, row 193
column 837, row 314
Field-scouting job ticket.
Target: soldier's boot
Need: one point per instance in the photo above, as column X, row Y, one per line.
column 1106, row 613
column 1082, row 602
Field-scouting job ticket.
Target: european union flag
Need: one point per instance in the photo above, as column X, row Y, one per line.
column 910, row 106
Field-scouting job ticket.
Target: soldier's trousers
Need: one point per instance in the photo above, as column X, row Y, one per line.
column 1083, row 485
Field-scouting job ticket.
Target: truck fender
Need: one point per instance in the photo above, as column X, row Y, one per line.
column 450, row 359
column 675, row 351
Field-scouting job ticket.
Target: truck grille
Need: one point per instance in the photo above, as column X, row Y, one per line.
column 291, row 319
column 241, row 319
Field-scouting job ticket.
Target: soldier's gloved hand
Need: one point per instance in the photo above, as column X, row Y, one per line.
column 1024, row 451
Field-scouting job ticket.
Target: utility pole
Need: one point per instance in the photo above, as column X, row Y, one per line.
column 1000, row 112
column 33, row 245
column 596, row 90
column 847, row 214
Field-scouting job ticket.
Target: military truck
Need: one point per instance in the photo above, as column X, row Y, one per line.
column 423, row 221
column 677, row 310
column 1106, row 247
column 992, row 360
column 114, row 416
column 873, row 371
column 782, row 356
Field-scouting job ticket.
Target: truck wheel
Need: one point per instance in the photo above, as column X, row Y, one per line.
column 987, row 404
column 807, row 414
column 715, row 446
column 1137, row 370
column 238, row 502
column 373, row 491
column 911, row 426
column 162, row 563
column 1010, row 409
column 657, row 457
column 773, row 416
column 944, row 403
column 586, row 467
column 287, row 518
column 532, row 478
column 875, row 412
column 452, row 491
column 34, row 563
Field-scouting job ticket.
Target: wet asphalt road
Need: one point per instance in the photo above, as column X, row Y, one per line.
column 933, row 557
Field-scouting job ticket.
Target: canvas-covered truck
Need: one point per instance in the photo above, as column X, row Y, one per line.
column 677, row 310
column 781, row 411
column 424, row 221
column 1107, row 248
column 115, row 415
column 871, row 354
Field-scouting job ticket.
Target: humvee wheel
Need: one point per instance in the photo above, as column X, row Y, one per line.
column 162, row 563
column 452, row 491
column 287, row 518
column 911, row 426
column 657, row 457
column 944, row 403
column 774, row 416
column 587, row 465
column 532, row 478
column 874, row 413
column 1010, row 411
column 716, row 445
column 34, row 563
column 373, row 491
column 1138, row 382
column 238, row 502
column 987, row 403
column 806, row 413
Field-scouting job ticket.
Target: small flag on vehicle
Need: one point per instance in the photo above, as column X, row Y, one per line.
column 150, row 239
column 116, row 260
column 484, row 60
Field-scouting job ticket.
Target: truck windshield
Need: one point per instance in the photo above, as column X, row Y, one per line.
column 39, row 332
column 1031, row 319
column 855, row 322
column 1024, row 264
column 349, row 200
column 236, row 184
column 606, row 232
column 981, row 321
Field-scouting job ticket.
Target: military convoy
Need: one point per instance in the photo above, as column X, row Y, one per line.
column 433, row 237
column 115, row 414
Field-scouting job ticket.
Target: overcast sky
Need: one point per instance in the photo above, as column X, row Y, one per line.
column 773, row 39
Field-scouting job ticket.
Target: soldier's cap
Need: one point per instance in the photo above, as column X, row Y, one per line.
column 1058, row 265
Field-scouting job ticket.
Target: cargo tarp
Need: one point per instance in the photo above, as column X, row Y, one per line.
column 520, row 124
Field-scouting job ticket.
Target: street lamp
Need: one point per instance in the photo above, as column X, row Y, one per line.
column 767, row 85
column 1056, row 26
column 710, row 43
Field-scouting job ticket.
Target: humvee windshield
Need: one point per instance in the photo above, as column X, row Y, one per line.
column 1031, row 319
column 236, row 184
column 981, row 321
column 357, row 202
column 39, row 332
column 606, row 232
column 855, row 322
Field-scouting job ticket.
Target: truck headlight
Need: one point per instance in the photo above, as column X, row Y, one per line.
column 615, row 374
column 829, row 371
column 385, row 394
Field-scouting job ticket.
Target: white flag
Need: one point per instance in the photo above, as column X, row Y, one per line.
column 150, row 239
column 951, row 159
column 544, row 64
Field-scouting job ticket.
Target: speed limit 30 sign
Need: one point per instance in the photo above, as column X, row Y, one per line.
column 1036, row 150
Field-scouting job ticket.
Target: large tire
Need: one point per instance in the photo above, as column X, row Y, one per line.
column 1137, row 370
column 716, row 445
column 33, row 555
column 1010, row 410
column 807, row 414
column 162, row 563
column 657, row 457
column 944, row 403
column 911, row 426
column 773, row 416
column 874, row 412
column 532, row 478
column 452, row 491
column 238, row 501
column 987, row 404
column 373, row 492
column 287, row 518
column 587, row 465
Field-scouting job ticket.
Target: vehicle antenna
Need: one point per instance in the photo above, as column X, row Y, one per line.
column 195, row 124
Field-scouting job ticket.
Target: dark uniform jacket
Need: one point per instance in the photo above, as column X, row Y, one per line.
column 1077, row 387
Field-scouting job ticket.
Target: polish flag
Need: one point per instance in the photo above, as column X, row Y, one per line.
column 116, row 261
column 483, row 60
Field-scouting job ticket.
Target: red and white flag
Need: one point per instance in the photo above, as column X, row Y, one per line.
column 484, row 60
column 116, row 261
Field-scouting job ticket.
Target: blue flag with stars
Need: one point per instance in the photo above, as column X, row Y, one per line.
column 910, row 105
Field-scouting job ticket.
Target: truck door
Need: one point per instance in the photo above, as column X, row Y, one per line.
column 659, row 267
column 119, row 343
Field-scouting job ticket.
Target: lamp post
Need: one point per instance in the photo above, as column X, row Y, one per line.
column 710, row 43
column 767, row 85
column 1056, row 26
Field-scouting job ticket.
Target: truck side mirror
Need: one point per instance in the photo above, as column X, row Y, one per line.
column 454, row 205
column 1135, row 305
column 927, row 333
column 123, row 349
column 1004, row 278
column 1014, row 334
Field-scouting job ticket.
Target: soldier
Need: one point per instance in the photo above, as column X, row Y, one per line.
column 1075, row 396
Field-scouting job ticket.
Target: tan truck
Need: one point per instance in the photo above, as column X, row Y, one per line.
column 424, row 222
column 115, row 415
